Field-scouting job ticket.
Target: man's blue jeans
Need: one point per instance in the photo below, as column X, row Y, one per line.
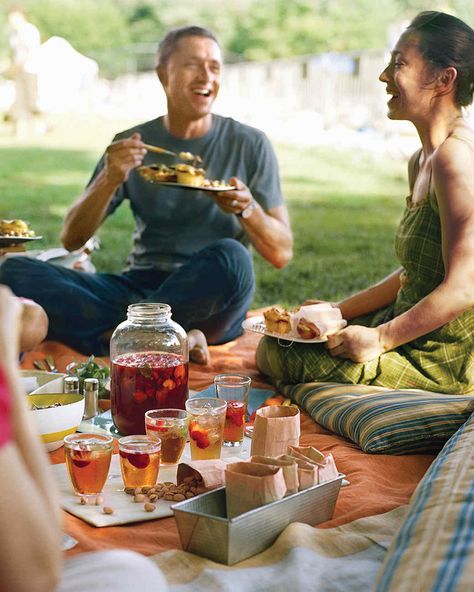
column 211, row 292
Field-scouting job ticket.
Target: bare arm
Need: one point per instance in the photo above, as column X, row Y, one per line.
column 268, row 230
column 377, row 296
column 30, row 556
column 368, row 300
column 87, row 213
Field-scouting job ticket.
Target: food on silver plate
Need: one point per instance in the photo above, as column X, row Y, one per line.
column 183, row 174
column 157, row 173
column 189, row 175
column 15, row 228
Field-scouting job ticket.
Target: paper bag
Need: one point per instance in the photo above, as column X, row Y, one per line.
column 251, row 485
column 202, row 474
column 276, row 427
column 324, row 462
column 307, row 472
column 288, row 466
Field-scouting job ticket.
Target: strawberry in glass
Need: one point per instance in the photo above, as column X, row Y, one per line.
column 171, row 427
column 235, row 389
column 139, row 460
column 206, row 427
column 235, row 422
column 88, row 459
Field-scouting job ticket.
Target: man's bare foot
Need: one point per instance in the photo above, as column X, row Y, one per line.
column 198, row 350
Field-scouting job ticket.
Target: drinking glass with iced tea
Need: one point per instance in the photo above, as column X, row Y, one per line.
column 88, row 459
column 233, row 388
column 171, row 427
column 206, row 427
column 139, row 460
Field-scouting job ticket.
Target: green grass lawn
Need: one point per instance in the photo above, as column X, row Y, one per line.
column 344, row 208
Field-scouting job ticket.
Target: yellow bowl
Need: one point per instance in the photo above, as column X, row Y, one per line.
column 54, row 423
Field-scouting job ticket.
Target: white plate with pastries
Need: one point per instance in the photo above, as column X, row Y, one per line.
column 306, row 324
column 257, row 325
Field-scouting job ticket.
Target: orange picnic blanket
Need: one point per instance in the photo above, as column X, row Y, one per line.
column 378, row 483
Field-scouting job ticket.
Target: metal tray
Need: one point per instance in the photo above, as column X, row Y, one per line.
column 205, row 530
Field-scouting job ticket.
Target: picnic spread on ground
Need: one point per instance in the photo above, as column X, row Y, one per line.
column 371, row 506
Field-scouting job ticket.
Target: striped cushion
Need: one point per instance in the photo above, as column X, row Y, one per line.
column 434, row 548
column 383, row 421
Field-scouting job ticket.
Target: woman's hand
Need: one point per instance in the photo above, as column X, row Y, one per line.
column 356, row 343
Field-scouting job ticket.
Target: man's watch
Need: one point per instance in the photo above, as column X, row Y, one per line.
column 247, row 212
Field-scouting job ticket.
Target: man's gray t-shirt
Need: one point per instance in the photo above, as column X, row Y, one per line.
column 173, row 223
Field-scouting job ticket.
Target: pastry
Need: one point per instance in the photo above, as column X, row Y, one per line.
column 15, row 228
column 157, row 173
column 189, row 175
column 277, row 320
column 307, row 330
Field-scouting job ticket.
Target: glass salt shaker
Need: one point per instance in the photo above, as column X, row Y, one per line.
column 91, row 396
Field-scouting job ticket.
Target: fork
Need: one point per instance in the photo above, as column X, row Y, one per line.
column 182, row 155
column 158, row 149
column 50, row 363
column 39, row 364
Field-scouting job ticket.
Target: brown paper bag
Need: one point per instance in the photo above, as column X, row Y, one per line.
column 251, row 485
column 276, row 427
column 307, row 472
column 324, row 462
column 288, row 466
column 202, row 474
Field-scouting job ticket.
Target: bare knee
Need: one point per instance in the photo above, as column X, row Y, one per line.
column 34, row 325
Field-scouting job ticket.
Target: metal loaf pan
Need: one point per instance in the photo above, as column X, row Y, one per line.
column 205, row 530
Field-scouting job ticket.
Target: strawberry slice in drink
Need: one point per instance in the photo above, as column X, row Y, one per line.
column 140, row 460
column 199, row 435
column 160, row 426
column 235, row 412
column 81, row 458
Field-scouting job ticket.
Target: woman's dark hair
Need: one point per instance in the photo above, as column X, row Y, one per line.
column 170, row 40
column 446, row 41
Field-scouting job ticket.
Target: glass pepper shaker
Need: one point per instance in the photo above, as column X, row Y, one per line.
column 91, row 396
column 149, row 359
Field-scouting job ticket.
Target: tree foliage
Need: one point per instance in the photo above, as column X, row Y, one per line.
column 248, row 30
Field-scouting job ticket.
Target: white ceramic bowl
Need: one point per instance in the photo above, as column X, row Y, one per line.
column 36, row 380
column 54, row 423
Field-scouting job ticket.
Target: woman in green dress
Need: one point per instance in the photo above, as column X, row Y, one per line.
column 415, row 328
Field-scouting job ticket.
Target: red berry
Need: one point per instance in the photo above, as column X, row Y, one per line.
column 140, row 460
column 81, row 459
column 139, row 396
column 235, row 412
column 200, row 437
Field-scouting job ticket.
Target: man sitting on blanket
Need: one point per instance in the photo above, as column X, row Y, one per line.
column 190, row 249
